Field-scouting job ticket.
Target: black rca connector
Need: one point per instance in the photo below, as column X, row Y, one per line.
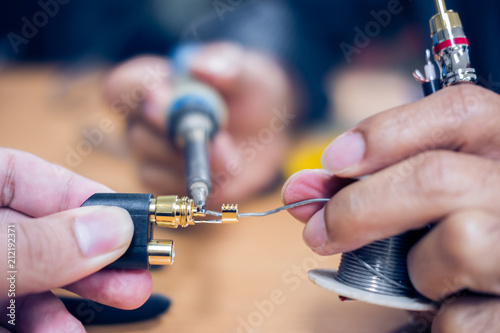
column 168, row 211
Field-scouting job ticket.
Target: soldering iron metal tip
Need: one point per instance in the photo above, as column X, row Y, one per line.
column 199, row 193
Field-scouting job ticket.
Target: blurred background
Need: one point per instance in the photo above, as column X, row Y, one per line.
column 66, row 46
column 348, row 60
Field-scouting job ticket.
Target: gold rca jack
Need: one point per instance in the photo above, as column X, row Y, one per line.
column 161, row 252
column 147, row 212
column 170, row 211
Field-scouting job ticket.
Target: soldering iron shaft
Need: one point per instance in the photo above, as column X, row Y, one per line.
column 197, row 167
column 195, row 115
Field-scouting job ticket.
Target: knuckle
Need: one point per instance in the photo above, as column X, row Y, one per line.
column 462, row 103
column 106, row 295
column 41, row 258
column 438, row 176
column 460, row 247
column 457, row 104
column 7, row 192
column 470, row 99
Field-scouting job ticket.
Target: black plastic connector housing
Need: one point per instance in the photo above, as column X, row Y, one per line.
column 137, row 205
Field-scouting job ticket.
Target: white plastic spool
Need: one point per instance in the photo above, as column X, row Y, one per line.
column 325, row 278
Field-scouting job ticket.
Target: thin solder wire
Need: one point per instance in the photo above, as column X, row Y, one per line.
column 279, row 209
column 273, row 211
column 379, row 274
column 379, row 267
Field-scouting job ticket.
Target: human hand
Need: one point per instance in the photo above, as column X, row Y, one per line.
column 246, row 155
column 56, row 244
column 434, row 161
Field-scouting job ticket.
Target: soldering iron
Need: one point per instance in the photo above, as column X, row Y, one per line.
column 193, row 118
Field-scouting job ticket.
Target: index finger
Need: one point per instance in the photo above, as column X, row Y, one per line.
column 37, row 188
column 459, row 118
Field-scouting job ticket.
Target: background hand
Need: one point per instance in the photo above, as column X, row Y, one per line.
column 58, row 244
column 246, row 156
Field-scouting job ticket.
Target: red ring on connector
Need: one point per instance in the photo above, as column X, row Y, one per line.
column 450, row 42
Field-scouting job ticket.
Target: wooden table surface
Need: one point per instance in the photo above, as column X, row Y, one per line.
column 225, row 278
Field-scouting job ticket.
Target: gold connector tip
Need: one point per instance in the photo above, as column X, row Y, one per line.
column 161, row 252
column 229, row 213
column 444, row 20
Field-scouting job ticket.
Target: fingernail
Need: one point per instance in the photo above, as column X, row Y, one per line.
column 315, row 231
column 344, row 152
column 103, row 230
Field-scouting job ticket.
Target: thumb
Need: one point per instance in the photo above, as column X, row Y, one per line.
column 220, row 65
column 62, row 248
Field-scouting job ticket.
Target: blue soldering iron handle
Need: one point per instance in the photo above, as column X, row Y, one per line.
column 191, row 95
column 183, row 56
